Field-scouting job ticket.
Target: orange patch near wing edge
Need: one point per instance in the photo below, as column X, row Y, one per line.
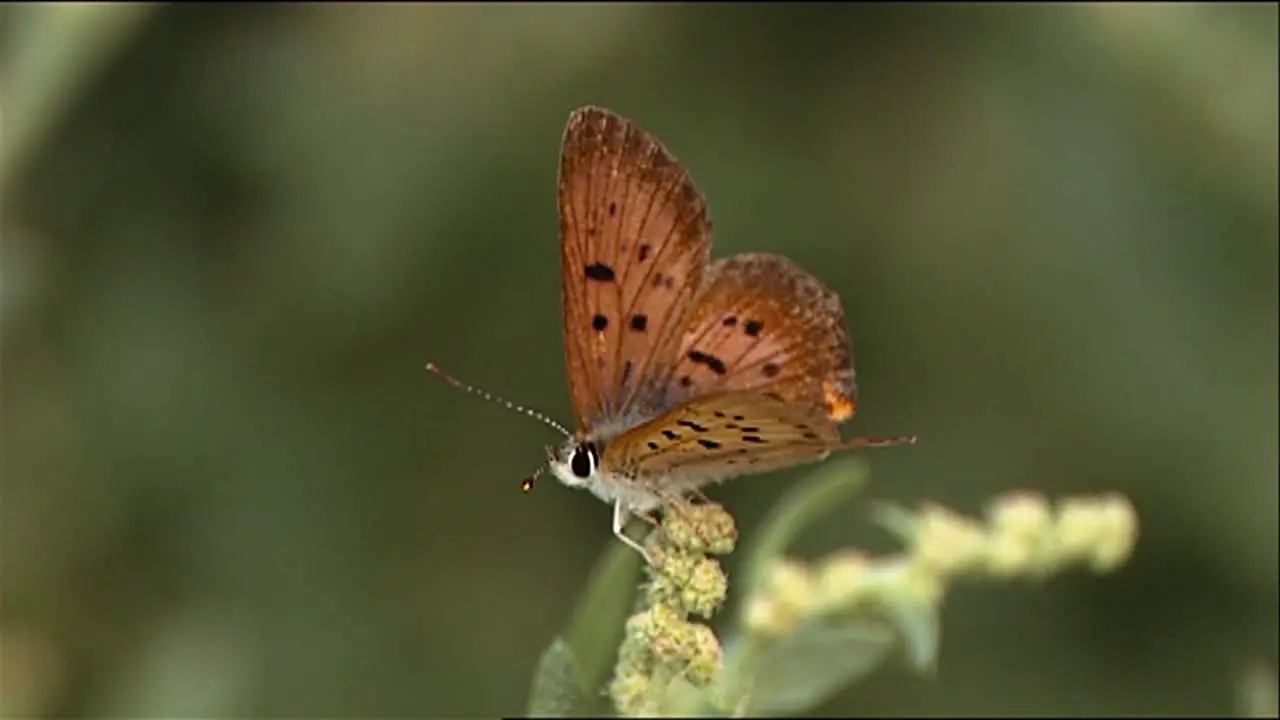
column 840, row 407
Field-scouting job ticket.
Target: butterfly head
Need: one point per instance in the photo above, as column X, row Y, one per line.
column 575, row 462
column 579, row 462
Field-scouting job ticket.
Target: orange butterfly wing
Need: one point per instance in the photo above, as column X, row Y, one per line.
column 763, row 323
column 718, row 436
column 635, row 242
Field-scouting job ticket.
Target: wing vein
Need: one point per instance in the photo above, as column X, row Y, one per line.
column 617, row 262
column 574, row 274
column 668, row 308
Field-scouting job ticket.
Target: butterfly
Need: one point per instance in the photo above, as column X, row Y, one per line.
column 682, row 372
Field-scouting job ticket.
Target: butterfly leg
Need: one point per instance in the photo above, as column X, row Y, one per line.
column 620, row 515
column 648, row 517
column 699, row 496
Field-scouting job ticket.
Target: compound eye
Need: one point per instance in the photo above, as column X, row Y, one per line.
column 584, row 461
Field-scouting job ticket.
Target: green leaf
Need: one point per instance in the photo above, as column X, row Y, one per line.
column 921, row 631
column 558, row 690
column 601, row 613
column 797, row 672
column 900, row 522
column 683, row 699
column 804, row 504
column 586, row 650
column 1256, row 692
column 800, row 671
column 56, row 52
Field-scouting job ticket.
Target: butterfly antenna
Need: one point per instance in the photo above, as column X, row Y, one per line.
column 432, row 367
column 527, row 484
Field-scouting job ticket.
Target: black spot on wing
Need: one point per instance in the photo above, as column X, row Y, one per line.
column 599, row 272
column 716, row 365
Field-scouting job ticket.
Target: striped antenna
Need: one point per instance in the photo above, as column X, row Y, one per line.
column 527, row 484
column 433, row 368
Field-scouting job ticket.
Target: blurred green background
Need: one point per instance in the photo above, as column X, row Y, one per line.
column 232, row 236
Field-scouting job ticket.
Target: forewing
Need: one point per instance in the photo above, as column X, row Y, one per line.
column 718, row 436
column 763, row 323
column 635, row 242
